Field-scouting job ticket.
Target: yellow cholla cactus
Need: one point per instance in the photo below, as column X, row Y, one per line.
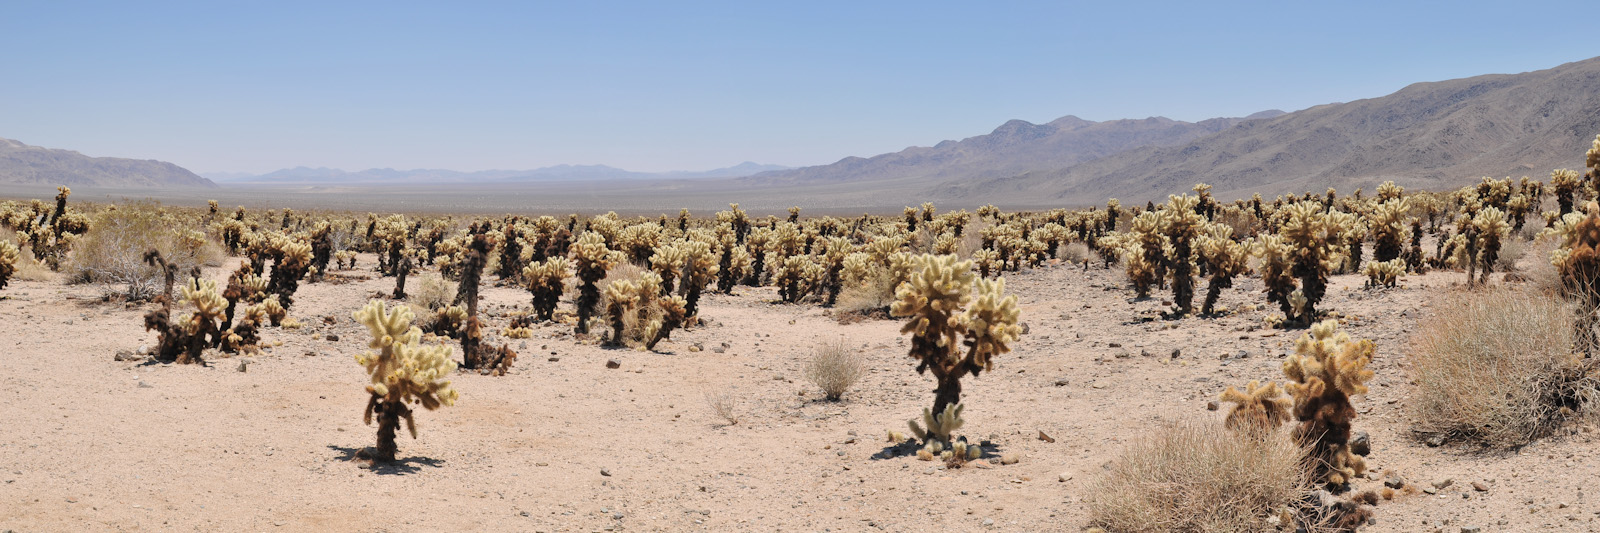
column 1258, row 408
column 1385, row 273
column 8, row 262
column 940, row 425
column 546, row 280
column 621, row 298
column 1327, row 368
column 402, row 371
column 991, row 322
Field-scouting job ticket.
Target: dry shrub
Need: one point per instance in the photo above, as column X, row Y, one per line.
column 432, row 292
column 28, row 269
column 1200, row 477
column 722, row 404
column 1541, row 275
column 112, row 253
column 1511, row 254
column 875, row 293
column 1076, row 252
column 834, row 367
column 1498, row 367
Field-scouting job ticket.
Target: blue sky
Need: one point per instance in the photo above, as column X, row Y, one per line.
column 653, row 86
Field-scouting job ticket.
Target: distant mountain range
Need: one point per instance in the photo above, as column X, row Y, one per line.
column 32, row 165
column 1016, row 147
column 304, row 175
column 1434, row 135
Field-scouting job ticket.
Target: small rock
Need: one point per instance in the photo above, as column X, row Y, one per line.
column 1480, row 487
column 144, row 385
column 331, row 337
column 1025, row 328
column 125, row 355
column 1430, row 490
column 1115, row 345
column 1064, row 477
column 1177, row 352
column 1009, row 459
column 554, row 359
column 1443, row 483
column 1361, row 444
column 720, row 349
column 1394, row 481
column 1212, row 406
column 144, row 349
column 1435, row 440
column 697, row 347
column 605, row 472
column 988, row 522
column 1061, row 382
column 245, row 365
column 613, row 363
column 1471, row 529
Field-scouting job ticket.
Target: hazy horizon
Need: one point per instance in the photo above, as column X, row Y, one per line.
column 657, row 88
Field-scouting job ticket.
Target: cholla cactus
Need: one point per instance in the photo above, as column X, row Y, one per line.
column 673, row 312
column 936, row 299
column 699, row 269
column 668, row 263
column 987, row 261
column 1144, row 251
column 1315, row 236
column 1277, row 270
column 1258, row 409
column 8, row 262
column 402, row 372
column 621, row 299
column 1491, row 228
column 591, row 259
column 1565, row 184
column 1328, row 367
column 1384, row 274
column 792, row 276
column 1181, row 226
column 292, row 261
column 1225, row 258
column 274, row 309
column 546, row 280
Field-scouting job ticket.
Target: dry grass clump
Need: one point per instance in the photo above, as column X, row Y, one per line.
column 433, row 292
column 876, row 292
column 1076, row 253
column 1200, row 477
column 834, row 367
column 26, row 267
column 1498, row 367
column 113, row 253
column 723, row 405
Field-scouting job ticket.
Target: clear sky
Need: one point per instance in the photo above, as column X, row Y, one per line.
column 653, row 86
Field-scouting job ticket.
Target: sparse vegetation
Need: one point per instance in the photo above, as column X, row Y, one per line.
column 1498, row 368
column 835, row 368
column 1199, row 478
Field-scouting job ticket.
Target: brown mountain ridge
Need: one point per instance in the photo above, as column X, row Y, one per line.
column 33, row 165
column 1433, row 135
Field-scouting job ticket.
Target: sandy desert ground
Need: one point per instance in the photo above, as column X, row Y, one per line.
column 563, row 443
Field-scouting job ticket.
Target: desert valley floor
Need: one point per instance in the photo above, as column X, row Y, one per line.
column 563, row 443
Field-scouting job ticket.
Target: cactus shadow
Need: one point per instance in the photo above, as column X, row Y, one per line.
column 909, row 449
column 400, row 466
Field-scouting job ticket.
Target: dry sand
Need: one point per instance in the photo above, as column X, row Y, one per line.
column 563, row 443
